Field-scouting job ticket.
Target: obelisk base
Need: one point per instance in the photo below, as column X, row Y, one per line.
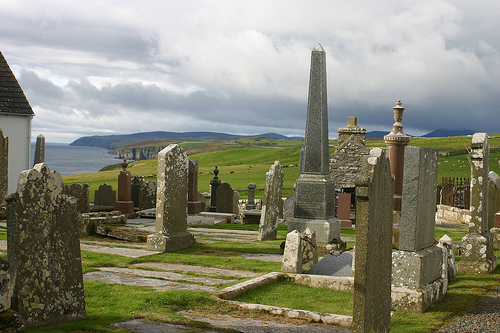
column 126, row 207
column 169, row 242
column 326, row 230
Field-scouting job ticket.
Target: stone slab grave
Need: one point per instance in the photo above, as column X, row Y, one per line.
column 334, row 265
column 477, row 245
column 171, row 204
column 315, row 187
column 44, row 250
column 268, row 226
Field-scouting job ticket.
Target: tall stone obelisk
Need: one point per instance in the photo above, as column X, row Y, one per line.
column 315, row 188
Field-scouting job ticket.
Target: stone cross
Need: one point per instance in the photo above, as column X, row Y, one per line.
column 373, row 256
column 39, row 150
column 4, row 166
column 124, row 203
column 477, row 245
column 315, row 188
column 417, row 265
column 44, row 250
column 194, row 203
column 268, row 227
column 171, row 203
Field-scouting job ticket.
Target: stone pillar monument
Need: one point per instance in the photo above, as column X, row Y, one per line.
column 214, row 185
column 124, row 203
column 477, row 245
column 194, row 203
column 315, row 188
column 251, row 196
column 396, row 142
column 172, row 201
column 39, row 150
column 4, row 166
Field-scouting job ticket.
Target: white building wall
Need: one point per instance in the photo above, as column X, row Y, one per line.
column 18, row 129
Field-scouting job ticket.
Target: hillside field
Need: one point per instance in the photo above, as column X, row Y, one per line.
column 247, row 160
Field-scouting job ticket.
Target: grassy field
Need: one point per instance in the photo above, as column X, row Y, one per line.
column 247, row 160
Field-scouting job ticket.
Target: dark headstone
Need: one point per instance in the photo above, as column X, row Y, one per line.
column 225, row 196
column 194, row 202
column 39, row 150
column 330, row 265
column 105, row 196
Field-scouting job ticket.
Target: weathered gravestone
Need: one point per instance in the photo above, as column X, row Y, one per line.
column 81, row 193
column 493, row 197
column 344, row 209
column 39, row 150
column 292, row 256
column 225, row 198
column 171, row 204
column 417, row 266
column 194, row 202
column 373, row 256
column 251, row 196
column 44, row 250
column 4, row 166
column 315, row 188
column 449, row 266
column 477, row 245
column 268, row 227
column 105, row 196
column 143, row 193
column 124, row 203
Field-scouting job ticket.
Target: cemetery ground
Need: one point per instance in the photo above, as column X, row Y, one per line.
column 109, row 303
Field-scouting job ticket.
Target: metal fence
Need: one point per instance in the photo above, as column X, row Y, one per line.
column 454, row 192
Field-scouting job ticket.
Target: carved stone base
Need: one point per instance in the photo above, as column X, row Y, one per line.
column 326, row 230
column 169, row 242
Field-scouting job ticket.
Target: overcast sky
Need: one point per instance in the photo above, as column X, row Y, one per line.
column 242, row 67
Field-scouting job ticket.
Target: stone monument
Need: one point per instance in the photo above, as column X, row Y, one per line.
column 251, row 196
column 105, row 196
column 39, row 150
column 44, row 250
column 396, row 142
column 194, row 203
column 417, row 265
column 373, row 256
column 477, row 245
column 4, row 166
column 268, row 227
column 214, row 185
column 225, row 197
column 124, row 203
column 315, row 188
column 171, row 204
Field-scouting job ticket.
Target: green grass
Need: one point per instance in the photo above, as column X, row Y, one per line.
column 286, row 293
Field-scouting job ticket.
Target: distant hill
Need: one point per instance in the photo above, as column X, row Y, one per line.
column 442, row 133
column 116, row 141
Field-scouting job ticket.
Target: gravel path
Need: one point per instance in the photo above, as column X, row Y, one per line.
column 484, row 317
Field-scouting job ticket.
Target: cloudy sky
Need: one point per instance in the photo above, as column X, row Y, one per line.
column 242, row 67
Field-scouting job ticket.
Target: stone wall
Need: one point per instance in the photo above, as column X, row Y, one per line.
column 449, row 214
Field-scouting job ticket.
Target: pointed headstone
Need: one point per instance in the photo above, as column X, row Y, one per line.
column 39, row 150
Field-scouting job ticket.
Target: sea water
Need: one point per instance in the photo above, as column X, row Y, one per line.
column 72, row 160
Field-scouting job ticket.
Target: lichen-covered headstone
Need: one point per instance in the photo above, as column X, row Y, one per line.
column 4, row 166
column 81, row 193
column 269, row 215
column 417, row 266
column 171, row 204
column 449, row 266
column 493, row 197
column 292, row 257
column 105, row 196
column 477, row 245
column 309, row 253
column 373, row 256
column 44, row 250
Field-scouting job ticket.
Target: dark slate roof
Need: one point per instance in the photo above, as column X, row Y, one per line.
column 12, row 98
